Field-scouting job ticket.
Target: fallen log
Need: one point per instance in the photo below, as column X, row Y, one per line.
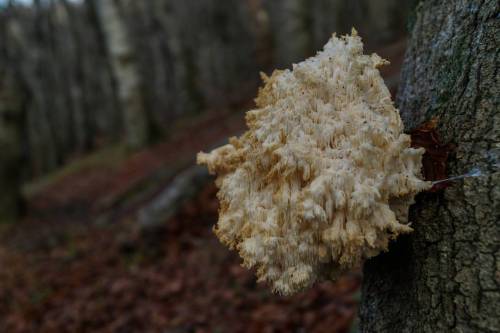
column 167, row 203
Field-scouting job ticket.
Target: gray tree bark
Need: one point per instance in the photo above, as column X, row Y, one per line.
column 445, row 276
column 125, row 68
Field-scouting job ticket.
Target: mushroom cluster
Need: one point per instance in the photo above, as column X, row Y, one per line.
column 324, row 176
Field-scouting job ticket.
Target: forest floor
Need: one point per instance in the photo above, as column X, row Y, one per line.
column 79, row 261
column 63, row 269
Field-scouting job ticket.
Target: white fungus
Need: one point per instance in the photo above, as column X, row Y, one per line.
column 323, row 177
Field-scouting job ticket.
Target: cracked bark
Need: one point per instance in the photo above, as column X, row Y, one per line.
column 445, row 276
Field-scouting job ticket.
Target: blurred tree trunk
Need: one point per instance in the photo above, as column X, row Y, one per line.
column 290, row 30
column 299, row 28
column 11, row 121
column 445, row 276
column 125, row 67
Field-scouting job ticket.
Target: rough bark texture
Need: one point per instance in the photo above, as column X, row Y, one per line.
column 445, row 276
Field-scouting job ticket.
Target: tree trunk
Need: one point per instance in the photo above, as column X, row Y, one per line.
column 299, row 28
column 125, row 67
column 445, row 276
column 11, row 119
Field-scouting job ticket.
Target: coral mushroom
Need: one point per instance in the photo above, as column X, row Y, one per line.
column 324, row 176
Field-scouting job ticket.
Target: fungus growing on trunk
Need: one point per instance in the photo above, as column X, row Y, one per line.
column 324, row 176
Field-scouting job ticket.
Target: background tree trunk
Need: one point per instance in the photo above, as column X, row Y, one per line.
column 445, row 276
column 11, row 121
column 125, row 68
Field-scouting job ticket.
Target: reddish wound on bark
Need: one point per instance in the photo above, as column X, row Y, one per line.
column 436, row 154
